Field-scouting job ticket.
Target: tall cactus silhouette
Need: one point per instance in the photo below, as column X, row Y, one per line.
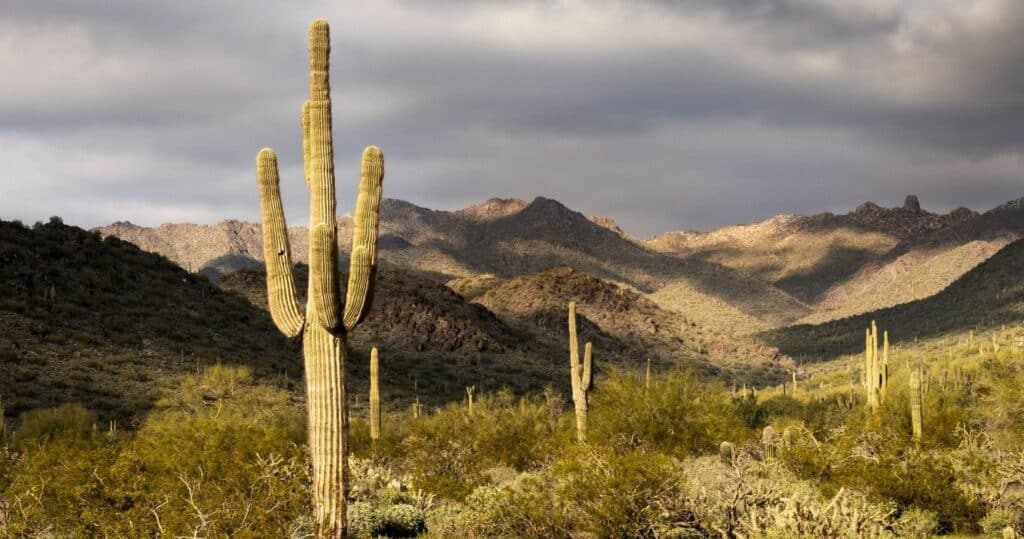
column 580, row 374
column 374, row 395
column 327, row 321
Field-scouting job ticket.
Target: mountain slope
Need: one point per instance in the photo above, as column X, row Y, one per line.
column 808, row 255
column 988, row 296
column 101, row 322
column 502, row 237
column 615, row 314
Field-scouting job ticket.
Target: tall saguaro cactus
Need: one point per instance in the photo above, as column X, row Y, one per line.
column 580, row 374
column 327, row 320
column 374, row 395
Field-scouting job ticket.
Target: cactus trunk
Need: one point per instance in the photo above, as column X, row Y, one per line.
column 326, row 321
column 374, row 395
column 580, row 375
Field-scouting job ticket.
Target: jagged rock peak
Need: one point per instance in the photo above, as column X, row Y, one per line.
column 867, row 207
column 606, row 222
column 912, row 204
column 494, row 208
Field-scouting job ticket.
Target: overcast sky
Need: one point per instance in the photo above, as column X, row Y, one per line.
column 660, row 114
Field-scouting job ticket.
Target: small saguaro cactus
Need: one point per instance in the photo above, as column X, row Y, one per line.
column 580, row 375
column 327, row 319
column 374, row 395
column 876, row 367
column 769, row 443
column 916, row 403
column 469, row 398
column 647, row 376
column 727, row 452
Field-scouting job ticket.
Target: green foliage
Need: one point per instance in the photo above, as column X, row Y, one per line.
column 223, row 454
column 69, row 421
column 678, row 415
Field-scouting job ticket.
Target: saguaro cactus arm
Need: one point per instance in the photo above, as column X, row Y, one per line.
column 363, row 262
column 574, row 347
column 587, row 376
column 284, row 306
column 375, row 415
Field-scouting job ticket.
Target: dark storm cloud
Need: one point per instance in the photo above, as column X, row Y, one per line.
column 660, row 114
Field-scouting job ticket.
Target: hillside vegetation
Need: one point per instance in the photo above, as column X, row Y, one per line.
column 222, row 454
column 101, row 323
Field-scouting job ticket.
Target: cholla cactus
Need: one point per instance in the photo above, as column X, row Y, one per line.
column 374, row 395
column 327, row 320
column 580, row 374
column 770, row 444
column 916, row 403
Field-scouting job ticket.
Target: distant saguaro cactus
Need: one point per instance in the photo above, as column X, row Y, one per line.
column 469, row 398
column 876, row 368
column 374, row 395
column 327, row 321
column 727, row 452
column 916, row 403
column 769, row 444
column 580, row 375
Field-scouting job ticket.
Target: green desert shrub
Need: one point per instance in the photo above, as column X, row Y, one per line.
column 678, row 414
column 219, row 457
column 69, row 421
column 448, row 452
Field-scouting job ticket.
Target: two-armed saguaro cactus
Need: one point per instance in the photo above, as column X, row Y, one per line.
column 327, row 319
column 876, row 367
column 374, row 395
column 581, row 375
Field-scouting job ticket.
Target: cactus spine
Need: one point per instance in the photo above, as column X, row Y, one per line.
column 580, row 375
column 374, row 395
column 326, row 322
column 916, row 403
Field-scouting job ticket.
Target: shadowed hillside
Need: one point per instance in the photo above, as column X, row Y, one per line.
column 102, row 323
column 988, row 296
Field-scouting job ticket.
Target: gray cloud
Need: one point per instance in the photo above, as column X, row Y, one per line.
column 662, row 115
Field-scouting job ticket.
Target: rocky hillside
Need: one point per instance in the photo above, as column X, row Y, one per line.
column 986, row 297
column 843, row 265
column 504, row 237
column 621, row 322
